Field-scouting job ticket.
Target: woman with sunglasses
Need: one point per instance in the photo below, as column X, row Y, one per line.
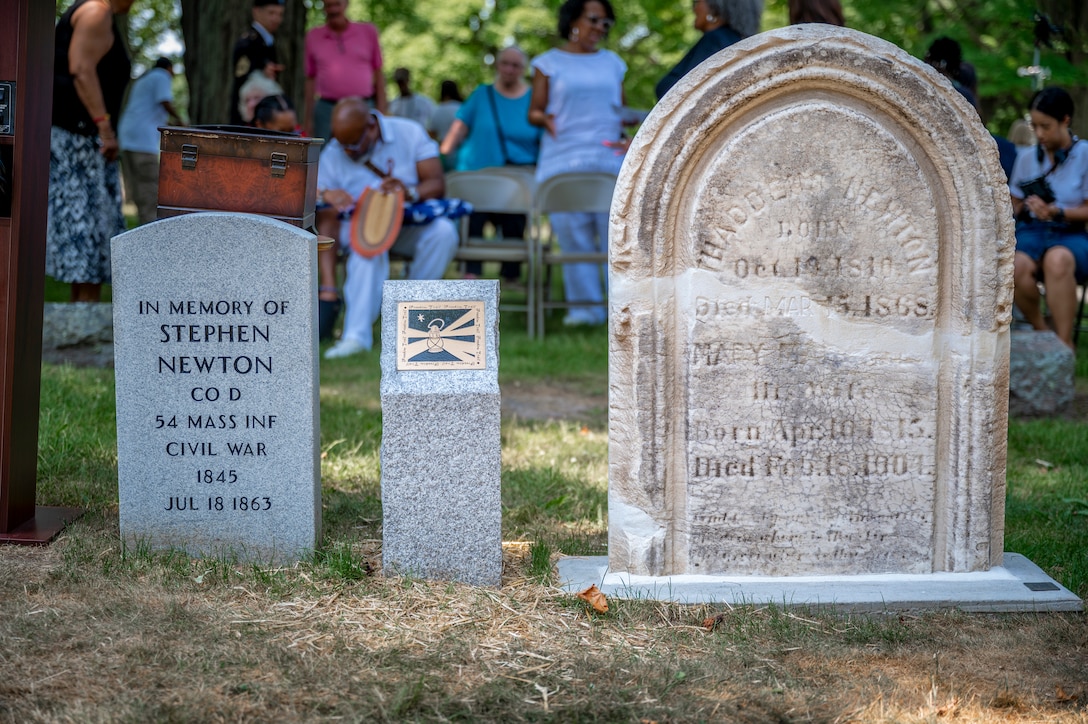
column 722, row 23
column 578, row 100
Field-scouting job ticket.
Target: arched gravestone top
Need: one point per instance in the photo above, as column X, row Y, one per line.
column 811, row 258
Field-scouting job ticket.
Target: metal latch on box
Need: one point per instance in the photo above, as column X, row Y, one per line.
column 188, row 156
column 279, row 164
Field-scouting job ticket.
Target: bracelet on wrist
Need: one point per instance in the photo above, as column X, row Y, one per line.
column 1059, row 215
column 103, row 117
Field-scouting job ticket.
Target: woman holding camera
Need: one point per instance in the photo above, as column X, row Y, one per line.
column 1049, row 187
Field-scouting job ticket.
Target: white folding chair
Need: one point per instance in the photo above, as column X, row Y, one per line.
column 500, row 194
column 568, row 192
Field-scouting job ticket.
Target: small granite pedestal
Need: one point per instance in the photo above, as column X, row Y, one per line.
column 441, row 440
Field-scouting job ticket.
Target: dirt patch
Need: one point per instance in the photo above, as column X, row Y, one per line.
column 549, row 401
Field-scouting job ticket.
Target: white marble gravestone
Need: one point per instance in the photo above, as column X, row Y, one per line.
column 811, row 286
column 217, row 388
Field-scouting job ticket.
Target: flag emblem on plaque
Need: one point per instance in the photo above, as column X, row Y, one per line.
column 440, row 335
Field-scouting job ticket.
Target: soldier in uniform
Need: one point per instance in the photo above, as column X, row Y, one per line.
column 255, row 51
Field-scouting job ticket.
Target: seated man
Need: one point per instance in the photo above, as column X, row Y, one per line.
column 1049, row 187
column 362, row 141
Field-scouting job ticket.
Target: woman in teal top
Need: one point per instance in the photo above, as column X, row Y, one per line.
column 492, row 129
column 492, row 126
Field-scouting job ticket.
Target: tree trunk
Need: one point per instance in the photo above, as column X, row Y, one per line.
column 210, row 28
column 290, row 47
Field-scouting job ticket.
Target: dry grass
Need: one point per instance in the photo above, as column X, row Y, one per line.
column 89, row 634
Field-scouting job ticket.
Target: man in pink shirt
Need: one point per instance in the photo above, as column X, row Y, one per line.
column 343, row 59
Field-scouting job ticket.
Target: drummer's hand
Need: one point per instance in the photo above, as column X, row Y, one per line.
column 339, row 199
column 392, row 185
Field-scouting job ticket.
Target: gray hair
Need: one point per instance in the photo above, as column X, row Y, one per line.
column 516, row 49
column 257, row 85
column 744, row 16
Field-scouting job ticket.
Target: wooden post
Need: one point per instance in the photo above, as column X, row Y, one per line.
column 26, row 65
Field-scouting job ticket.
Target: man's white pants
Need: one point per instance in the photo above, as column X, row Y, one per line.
column 431, row 247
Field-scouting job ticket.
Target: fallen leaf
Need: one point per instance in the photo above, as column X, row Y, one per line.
column 595, row 598
column 584, row 430
column 1061, row 696
column 711, row 622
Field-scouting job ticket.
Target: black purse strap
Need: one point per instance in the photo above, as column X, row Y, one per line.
column 498, row 125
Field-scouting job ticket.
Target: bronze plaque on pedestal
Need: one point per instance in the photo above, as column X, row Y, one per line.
column 440, row 336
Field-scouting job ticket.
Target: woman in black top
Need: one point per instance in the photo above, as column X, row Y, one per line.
column 90, row 72
column 722, row 23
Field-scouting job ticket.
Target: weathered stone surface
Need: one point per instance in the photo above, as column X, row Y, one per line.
column 217, row 390
column 1041, row 370
column 441, row 438
column 811, row 289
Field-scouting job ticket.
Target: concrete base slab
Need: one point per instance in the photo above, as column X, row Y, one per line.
column 1018, row 585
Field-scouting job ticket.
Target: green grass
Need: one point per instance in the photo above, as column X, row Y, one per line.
column 1045, row 508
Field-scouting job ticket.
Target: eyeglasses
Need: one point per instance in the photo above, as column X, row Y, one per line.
column 605, row 23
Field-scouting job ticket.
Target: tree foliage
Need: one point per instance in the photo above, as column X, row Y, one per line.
column 439, row 39
column 458, row 39
column 997, row 38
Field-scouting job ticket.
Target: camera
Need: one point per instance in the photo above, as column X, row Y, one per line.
column 1038, row 187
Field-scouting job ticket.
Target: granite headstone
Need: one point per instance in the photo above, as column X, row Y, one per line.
column 441, row 439
column 217, row 386
column 811, row 295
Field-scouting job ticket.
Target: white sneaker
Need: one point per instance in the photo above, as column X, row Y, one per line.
column 345, row 348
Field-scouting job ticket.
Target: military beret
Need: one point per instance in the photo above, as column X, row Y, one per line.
column 263, row 3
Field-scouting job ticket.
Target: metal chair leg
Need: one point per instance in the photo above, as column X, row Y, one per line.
column 1080, row 314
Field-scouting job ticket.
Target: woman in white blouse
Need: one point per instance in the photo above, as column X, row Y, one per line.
column 578, row 100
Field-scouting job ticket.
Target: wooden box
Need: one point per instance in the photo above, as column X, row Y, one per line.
column 233, row 168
